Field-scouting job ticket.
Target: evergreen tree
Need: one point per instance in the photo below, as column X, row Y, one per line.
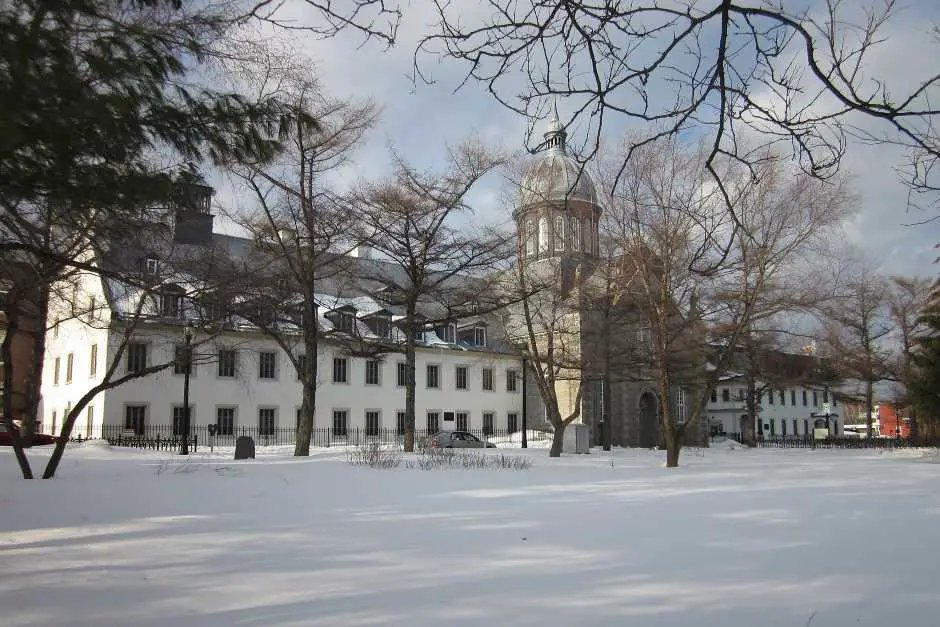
column 924, row 383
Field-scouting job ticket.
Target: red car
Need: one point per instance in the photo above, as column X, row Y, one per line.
column 39, row 439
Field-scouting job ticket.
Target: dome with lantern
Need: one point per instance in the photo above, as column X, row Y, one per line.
column 557, row 177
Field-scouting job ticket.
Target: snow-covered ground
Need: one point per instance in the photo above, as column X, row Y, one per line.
column 735, row 537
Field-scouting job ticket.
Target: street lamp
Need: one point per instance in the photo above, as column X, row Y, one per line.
column 188, row 332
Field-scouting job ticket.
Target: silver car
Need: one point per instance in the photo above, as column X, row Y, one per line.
column 457, row 439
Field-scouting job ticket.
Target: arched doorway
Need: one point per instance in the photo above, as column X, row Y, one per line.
column 649, row 421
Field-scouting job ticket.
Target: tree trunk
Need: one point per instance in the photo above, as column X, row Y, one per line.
column 869, row 399
column 672, row 454
column 558, row 440
column 410, row 365
column 8, row 377
column 33, row 391
column 308, row 379
column 749, row 431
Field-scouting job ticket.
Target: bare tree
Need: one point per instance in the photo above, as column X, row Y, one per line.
column 856, row 329
column 299, row 223
column 705, row 299
column 430, row 267
column 545, row 327
column 907, row 299
column 794, row 79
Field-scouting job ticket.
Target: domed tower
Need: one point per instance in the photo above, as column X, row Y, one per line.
column 558, row 213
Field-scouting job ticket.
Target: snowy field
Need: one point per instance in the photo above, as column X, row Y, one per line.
column 733, row 538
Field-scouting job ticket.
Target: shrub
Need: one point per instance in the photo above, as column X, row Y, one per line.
column 373, row 455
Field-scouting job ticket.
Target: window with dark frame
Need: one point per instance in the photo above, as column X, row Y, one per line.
column 93, row 361
column 135, row 418
column 461, row 378
column 400, row 420
column 340, row 370
column 714, row 395
column 433, row 422
column 179, row 359
column 783, row 398
column 512, row 422
column 489, row 420
column 805, row 395
column 725, row 395
column 267, row 365
column 372, row 372
column 55, row 370
column 511, row 380
column 793, row 397
column 373, row 420
column 463, row 420
column 433, row 373
column 227, row 362
column 69, row 362
column 136, row 360
column 488, row 379
column 267, row 421
column 179, row 419
column 402, row 380
column 796, row 427
column 225, row 420
column 340, row 422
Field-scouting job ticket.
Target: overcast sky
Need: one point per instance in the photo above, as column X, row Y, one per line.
column 420, row 120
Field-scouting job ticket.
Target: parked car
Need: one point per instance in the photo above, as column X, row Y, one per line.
column 456, row 439
column 39, row 439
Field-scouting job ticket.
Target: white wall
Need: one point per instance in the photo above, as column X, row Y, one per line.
column 74, row 330
column 779, row 414
column 248, row 393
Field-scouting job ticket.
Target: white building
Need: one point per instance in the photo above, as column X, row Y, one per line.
column 782, row 412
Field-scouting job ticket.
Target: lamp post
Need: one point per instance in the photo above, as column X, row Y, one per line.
column 525, row 425
column 188, row 332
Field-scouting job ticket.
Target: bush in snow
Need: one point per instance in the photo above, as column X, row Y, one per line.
column 373, row 455
column 431, row 459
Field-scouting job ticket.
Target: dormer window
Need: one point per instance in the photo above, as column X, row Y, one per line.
column 473, row 335
column 171, row 301
column 152, row 265
column 447, row 332
column 380, row 323
column 479, row 336
column 343, row 319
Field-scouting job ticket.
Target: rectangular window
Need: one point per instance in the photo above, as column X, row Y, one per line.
column 89, row 421
column 69, row 361
column 373, row 419
column 796, row 427
column 434, row 422
column 489, row 421
column 510, row 380
column 725, row 395
column 225, row 420
column 433, row 376
column 835, row 402
column 227, row 362
column 815, row 398
column 804, row 398
column 770, row 396
column 136, row 357
column 825, row 396
column 340, row 420
column 179, row 359
column 301, row 366
column 488, row 379
column 461, row 378
column 340, row 370
column 783, row 426
column 267, row 420
column 793, row 397
column 267, row 365
column 714, row 396
column 512, row 422
column 783, row 398
column 402, row 380
column 179, row 420
column 463, row 420
column 806, row 426
column 479, row 336
column 400, row 423
column 772, row 429
column 53, row 431
column 93, row 361
column 135, row 417
column 372, row 372
column 680, row 405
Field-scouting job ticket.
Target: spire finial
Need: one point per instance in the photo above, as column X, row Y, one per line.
column 555, row 134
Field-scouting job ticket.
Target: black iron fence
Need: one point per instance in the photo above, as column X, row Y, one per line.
column 163, row 437
column 836, row 442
